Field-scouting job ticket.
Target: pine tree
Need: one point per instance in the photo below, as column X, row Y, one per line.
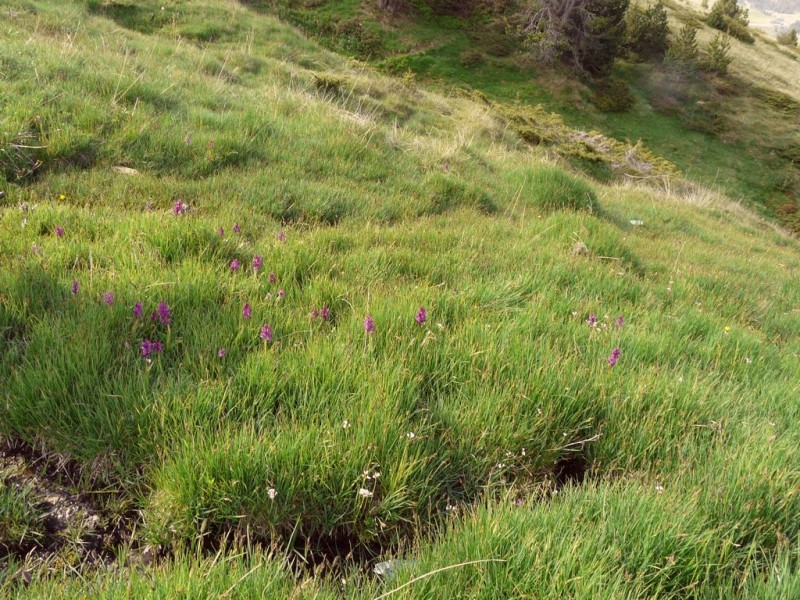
column 718, row 54
column 647, row 30
column 683, row 51
column 590, row 32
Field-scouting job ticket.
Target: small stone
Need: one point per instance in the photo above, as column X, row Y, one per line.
column 388, row 569
column 580, row 249
column 124, row 170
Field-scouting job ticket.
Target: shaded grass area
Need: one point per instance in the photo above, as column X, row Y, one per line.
column 494, row 429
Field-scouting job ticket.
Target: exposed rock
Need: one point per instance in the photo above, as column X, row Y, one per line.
column 124, row 170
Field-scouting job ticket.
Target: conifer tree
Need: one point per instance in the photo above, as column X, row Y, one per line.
column 683, row 51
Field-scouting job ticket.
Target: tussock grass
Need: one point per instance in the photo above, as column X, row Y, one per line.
column 458, row 439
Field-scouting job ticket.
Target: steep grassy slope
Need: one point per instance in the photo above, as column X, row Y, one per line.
column 214, row 249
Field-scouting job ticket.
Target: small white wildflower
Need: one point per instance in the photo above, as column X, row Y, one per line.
column 376, row 474
column 501, row 465
column 523, row 452
column 449, row 508
column 748, row 360
column 440, row 326
column 574, row 313
column 411, row 435
column 365, row 493
column 509, row 454
column 345, row 424
column 660, row 489
column 272, row 493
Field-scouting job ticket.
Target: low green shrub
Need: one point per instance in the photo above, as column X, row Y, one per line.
column 612, row 95
column 355, row 37
column 471, row 59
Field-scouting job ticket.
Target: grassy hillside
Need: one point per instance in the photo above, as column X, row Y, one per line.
column 216, row 245
column 737, row 133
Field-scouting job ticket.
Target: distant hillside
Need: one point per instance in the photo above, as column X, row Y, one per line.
column 780, row 6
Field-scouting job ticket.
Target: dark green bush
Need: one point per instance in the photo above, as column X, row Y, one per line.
column 612, row 95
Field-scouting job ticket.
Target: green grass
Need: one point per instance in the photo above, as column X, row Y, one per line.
column 21, row 523
column 442, row 443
